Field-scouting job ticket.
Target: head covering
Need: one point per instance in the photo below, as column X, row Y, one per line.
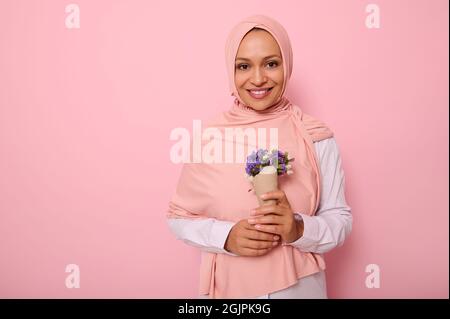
column 220, row 190
column 237, row 34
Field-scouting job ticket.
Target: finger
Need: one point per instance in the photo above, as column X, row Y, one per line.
column 277, row 194
column 267, row 209
column 258, row 244
column 274, row 229
column 268, row 219
column 252, row 227
column 259, row 235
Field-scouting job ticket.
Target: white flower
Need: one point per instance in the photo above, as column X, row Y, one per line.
column 268, row 170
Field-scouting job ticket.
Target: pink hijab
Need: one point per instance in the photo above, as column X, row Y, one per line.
column 220, row 190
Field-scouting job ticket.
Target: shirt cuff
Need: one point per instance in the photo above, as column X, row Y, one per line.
column 219, row 234
column 310, row 230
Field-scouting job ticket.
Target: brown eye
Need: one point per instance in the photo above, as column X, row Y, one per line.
column 273, row 64
column 239, row 66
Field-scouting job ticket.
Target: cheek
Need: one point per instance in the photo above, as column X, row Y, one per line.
column 279, row 77
column 239, row 81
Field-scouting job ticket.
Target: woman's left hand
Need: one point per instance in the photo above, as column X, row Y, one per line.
column 277, row 219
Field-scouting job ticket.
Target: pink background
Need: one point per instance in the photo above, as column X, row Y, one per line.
column 85, row 118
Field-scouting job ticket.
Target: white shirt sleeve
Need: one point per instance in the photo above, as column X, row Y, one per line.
column 333, row 220
column 208, row 234
column 322, row 232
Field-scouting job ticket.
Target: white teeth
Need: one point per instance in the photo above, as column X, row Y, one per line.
column 259, row 92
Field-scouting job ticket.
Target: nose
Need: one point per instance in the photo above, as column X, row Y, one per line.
column 258, row 77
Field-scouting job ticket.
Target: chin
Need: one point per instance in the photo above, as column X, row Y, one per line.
column 259, row 105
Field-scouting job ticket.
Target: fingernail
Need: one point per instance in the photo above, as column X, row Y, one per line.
column 257, row 226
column 253, row 212
column 251, row 220
column 263, row 196
column 274, row 243
column 275, row 237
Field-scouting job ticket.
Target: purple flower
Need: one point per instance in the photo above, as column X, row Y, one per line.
column 250, row 167
column 261, row 158
column 260, row 154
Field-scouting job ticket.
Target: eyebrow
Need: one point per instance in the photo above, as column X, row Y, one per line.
column 268, row 57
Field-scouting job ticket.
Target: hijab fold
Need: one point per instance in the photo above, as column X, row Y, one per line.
column 220, row 190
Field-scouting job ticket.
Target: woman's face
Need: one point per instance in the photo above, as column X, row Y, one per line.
column 259, row 73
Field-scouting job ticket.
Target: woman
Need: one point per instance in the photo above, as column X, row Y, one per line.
column 267, row 251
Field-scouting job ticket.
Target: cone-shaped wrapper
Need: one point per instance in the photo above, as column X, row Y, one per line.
column 264, row 183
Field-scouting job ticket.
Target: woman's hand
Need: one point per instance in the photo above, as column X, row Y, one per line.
column 245, row 240
column 277, row 219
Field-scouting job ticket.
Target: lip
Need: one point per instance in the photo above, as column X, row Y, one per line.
column 260, row 96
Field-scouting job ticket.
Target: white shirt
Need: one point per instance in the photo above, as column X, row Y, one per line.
column 322, row 232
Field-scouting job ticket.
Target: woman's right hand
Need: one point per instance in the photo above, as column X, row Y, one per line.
column 245, row 240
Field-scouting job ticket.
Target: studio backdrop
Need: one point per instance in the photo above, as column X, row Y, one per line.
column 92, row 91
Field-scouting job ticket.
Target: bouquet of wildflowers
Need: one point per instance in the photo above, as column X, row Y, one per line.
column 263, row 168
column 257, row 160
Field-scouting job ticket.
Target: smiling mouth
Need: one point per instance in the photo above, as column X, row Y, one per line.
column 259, row 93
